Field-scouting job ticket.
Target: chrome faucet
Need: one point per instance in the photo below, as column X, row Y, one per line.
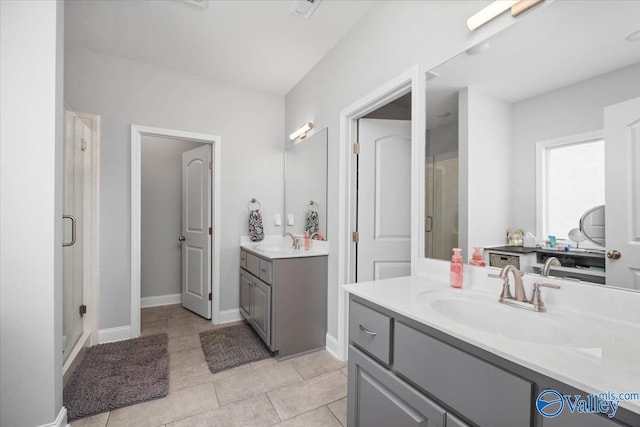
column 520, row 299
column 295, row 242
column 517, row 278
column 551, row 261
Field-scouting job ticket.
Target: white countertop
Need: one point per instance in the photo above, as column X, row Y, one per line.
column 605, row 318
column 277, row 247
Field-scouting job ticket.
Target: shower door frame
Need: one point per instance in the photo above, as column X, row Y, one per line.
column 90, row 251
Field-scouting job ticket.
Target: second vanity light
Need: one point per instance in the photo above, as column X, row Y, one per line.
column 302, row 132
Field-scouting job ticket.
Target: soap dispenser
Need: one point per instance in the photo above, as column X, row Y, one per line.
column 477, row 259
column 455, row 278
column 307, row 241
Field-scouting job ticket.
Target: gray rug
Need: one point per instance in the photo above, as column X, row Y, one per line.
column 232, row 346
column 118, row 374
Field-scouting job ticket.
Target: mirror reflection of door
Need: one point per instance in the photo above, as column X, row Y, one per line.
column 622, row 219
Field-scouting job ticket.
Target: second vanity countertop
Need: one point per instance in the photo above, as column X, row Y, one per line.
column 591, row 351
column 277, row 247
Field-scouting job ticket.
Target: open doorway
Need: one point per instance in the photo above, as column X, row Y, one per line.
column 175, row 210
column 175, row 266
column 383, row 192
column 351, row 190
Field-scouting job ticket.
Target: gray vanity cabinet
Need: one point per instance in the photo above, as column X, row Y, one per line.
column 285, row 301
column 255, row 305
column 384, row 400
column 402, row 373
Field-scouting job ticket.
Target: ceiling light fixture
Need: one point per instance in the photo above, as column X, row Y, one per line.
column 478, row 49
column 302, row 132
column 497, row 8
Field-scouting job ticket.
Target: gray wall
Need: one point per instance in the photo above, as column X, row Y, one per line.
column 161, row 182
column 31, row 58
column 571, row 110
column 250, row 124
column 392, row 38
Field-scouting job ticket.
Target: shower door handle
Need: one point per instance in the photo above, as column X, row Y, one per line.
column 73, row 230
column 428, row 224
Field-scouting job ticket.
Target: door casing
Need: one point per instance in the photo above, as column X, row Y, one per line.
column 137, row 131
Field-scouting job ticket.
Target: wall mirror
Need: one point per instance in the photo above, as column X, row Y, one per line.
column 515, row 125
column 306, row 183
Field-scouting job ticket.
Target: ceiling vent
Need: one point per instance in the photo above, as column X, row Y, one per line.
column 304, row 8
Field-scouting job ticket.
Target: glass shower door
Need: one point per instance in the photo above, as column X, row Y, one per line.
column 73, row 220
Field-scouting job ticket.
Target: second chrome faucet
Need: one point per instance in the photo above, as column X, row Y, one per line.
column 520, row 299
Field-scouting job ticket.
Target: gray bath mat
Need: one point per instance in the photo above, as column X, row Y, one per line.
column 118, row 374
column 232, row 346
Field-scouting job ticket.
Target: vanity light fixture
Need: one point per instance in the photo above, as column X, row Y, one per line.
column 302, row 132
column 497, row 8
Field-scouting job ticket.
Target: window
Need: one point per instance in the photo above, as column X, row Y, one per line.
column 570, row 181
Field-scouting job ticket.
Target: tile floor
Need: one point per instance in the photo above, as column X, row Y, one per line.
column 308, row 390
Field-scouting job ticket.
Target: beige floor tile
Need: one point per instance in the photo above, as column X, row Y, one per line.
column 180, row 359
column 316, row 363
column 345, row 371
column 339, row 409
column 301, row 397
column 182, row 331
column 186, row 342
column 189, row 376
column 264, row 363
column 321, row 417
column 255, row 382
column 175, row 406
column 99, row 420
column 255, row 412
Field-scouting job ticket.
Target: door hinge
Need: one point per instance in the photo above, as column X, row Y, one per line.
column 356, row 148
column 355, row 237
column 210, row 231
column 210, row 164
column 210, row 296
column 82, row 309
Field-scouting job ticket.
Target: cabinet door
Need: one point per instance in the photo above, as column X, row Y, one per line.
column 377, row 398
column 261, row 310
column 245, row 295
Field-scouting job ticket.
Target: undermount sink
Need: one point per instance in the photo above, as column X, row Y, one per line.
column 515, row 323
column 275, row 248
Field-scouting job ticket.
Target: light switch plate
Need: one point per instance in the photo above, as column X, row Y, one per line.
column 277, row 220
column 290, row 219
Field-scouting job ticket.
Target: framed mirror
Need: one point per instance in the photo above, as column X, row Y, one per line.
column 306, row 184
column 523, row 114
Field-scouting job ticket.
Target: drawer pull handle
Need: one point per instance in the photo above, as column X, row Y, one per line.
column 263, row 270
column 366, row 331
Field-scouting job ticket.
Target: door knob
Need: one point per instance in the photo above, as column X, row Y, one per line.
column 181, row 238
column 613, row 254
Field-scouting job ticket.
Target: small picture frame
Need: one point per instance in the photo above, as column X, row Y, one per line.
column 515, row 237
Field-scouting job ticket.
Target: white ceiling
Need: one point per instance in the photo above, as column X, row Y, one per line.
column 255, row 44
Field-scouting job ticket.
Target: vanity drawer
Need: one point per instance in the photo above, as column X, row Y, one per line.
column 371, row 331
column 484, row 393
column 253, row 264
column 243, row 259
column 265, row 271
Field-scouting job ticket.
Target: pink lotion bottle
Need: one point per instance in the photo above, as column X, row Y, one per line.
column 476, row 259
column 455, row 278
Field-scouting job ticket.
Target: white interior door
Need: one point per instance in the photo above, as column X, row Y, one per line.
column 622, row 193
column 196, row 226
column 384, row 199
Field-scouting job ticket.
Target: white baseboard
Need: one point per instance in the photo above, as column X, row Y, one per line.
column 228, row 316
column 332, row 345
column 114, row 334
column 160, row 300
column 61, row 419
